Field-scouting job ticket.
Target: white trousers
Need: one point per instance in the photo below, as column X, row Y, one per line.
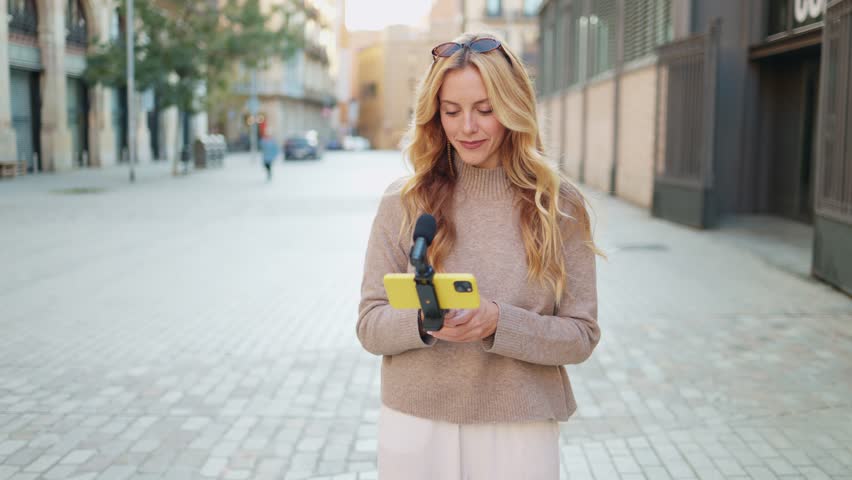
column 413, row 448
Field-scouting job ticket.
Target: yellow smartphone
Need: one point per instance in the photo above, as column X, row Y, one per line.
column 454, row 290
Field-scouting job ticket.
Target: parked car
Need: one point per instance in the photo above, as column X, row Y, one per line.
column 300, row 147
column 334, row 144
column 355, row 143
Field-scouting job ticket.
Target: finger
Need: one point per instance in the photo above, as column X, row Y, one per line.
column 468, row 332
column 462, row 333
column 462, row 317
column 448, row 333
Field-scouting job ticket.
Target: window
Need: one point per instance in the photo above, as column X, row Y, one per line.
column 579, row 43
column 547, row 69
column 566, row 48
column 647, row 25
column 75, row 24
column 778, row 14
column 546, row 80
column 602, row 30
column 115, row 26
column 785, row 15
column 807, row 12
column 493, row 8
column 531, row 7
column 559, row 56
column 23, row 17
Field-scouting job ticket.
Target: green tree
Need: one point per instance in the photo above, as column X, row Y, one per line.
column 183, row 45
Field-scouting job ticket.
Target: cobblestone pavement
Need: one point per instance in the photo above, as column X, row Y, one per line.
column 202, row 327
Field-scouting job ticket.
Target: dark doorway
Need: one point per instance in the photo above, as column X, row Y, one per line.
column 78, row 120
column 154, row 126
column 789, row 86
column 26, row 107
column 119, row 123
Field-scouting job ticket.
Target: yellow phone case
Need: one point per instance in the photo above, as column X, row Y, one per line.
column 450, row 288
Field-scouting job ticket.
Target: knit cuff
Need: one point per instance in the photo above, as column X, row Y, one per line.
column 408, row 332
column 508, row 339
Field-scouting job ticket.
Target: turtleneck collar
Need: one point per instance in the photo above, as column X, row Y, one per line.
column 486, row 183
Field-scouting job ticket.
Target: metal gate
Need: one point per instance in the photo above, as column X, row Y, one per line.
column 24, row 116
column 78, row 113
column 833, row 221
column 685, row 130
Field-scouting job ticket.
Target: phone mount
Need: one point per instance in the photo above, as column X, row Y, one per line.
column 433, row 316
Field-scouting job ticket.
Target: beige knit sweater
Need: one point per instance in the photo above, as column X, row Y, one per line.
column 516, row 375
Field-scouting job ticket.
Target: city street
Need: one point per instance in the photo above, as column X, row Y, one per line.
column 203, row 327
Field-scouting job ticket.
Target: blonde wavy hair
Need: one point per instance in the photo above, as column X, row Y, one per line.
column 543, row 195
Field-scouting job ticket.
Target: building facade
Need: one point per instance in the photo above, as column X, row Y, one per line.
column 514, row 21
column 371, row 103
column 701, row 109
column 298, row 94
column 389, row 68
column 50, row 119
column 388, row 72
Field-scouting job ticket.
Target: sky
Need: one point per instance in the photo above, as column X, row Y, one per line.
column 377, row 14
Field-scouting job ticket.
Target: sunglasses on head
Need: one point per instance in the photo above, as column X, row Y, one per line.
column 480, row 45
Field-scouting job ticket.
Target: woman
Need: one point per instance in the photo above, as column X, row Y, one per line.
column 481, row 398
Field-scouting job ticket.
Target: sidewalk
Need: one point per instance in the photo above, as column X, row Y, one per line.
column 203, row 327
column 783, row 243
column 116, row 176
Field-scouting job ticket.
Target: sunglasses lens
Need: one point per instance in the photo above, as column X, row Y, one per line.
column 483, row 45
column 445, row 49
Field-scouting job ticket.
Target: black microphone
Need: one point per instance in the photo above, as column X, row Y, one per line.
column 424, row 233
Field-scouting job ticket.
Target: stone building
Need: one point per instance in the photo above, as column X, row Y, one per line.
column 50, row 119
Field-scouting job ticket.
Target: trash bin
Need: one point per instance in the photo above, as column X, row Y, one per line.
column 200, row 150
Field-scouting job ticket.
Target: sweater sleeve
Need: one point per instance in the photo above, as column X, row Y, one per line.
column 569, row 336
column 382, row 329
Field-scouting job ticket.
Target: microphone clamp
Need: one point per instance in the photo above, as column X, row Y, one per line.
column 433, row 315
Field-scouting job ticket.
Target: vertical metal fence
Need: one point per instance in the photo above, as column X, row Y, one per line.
column 834, row 159
column 686, row 109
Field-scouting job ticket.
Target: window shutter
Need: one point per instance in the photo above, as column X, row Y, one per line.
column 647, row 25
column 602, row 27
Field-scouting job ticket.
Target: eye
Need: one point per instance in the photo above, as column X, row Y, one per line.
column 486, row 112
column 451, row 114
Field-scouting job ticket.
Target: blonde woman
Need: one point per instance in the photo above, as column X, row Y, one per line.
column 481, row 398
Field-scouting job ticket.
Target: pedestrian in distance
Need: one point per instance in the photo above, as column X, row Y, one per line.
column 270, row 150
column 482, row 397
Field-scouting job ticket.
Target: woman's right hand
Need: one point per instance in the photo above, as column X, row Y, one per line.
column 456, row 317
column 469, row 325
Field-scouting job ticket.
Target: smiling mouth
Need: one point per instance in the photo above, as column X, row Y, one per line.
column 472, row 145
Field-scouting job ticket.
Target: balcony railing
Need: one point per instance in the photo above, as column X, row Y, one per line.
column 78, row 34
column 23, row 17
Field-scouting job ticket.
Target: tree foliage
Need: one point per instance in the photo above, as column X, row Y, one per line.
column 182, row 46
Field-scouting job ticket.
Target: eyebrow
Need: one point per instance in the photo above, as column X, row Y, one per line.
column 458, row 104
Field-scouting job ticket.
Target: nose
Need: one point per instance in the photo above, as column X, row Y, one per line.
column 470, row 125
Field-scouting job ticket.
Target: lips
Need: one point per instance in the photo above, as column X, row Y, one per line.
column 472, row 145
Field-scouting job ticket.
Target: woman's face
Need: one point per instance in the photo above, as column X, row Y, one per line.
column 468, row 120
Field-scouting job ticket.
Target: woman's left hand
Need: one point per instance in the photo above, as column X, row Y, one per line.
column 470, row 325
